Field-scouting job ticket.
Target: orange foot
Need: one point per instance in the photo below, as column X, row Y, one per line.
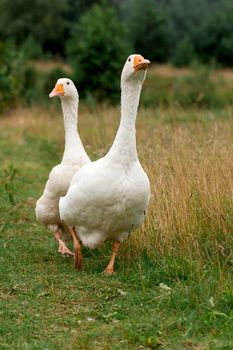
column 78, row 259
column 108, row 272
column 62, row 248
column 110, row 268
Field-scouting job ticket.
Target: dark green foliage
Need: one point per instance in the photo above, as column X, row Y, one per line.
column 214, row 38
column 31, row 91
column 31, row 49
column 77, row 8
column 184, row 54
column 200, row 86
column 185, row 16
column 12, row 75
column 20, row 82
column 42, row 20
column 99, row 35
column 163, row 30
column 149, row 30
column 97, row 51
column 201, row 29
column 38, row 85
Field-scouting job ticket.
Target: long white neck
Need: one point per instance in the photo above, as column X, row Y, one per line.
column 73, row 144
column 124, row 148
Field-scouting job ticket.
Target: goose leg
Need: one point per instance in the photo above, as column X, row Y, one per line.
column 78, row 258
column 110, row 268
column 62, row 248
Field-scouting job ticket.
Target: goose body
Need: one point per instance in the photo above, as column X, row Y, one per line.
column 112, row 201
column 74, row 157
column 108, row 199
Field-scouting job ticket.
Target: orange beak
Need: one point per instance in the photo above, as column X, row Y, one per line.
column 57, row 91
column 140, row 63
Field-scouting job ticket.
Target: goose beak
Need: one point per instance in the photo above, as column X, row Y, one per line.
column 140, row 63
column 57, row 91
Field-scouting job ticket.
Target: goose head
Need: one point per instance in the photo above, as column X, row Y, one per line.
column 65, row 89
column 134, row 69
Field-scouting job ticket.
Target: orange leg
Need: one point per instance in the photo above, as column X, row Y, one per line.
column 62, row 248
column 110, row 268
column 78, row 258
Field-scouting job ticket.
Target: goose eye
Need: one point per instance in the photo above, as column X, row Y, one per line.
column 129, row 59
column 68, row 83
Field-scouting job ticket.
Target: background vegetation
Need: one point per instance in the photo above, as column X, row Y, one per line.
column 95, row 37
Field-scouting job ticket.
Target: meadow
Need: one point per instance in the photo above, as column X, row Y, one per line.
column 173, row 286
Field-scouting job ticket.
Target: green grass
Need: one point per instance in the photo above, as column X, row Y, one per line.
column 161, row 301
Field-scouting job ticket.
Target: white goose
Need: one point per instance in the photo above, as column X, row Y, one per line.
column 108, row 199
column 74, row 157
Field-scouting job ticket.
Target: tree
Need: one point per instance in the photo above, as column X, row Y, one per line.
column 12, row 76
column 97, row 51
column 40, row 20
column 213, row 39
column 184, row 54
column 149, row 30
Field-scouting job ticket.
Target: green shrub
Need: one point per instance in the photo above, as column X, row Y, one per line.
column 43, row 20
column 196, row 89
column 12, row 76
column 184, row 53
column 97, row 52
column 149, row 30
column 213, row 39
column 200, row 86
column 39, row 84
column 20, row 82
column 31, row 80
column 31, row 49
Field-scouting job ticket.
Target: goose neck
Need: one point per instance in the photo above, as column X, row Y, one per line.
column 124, row 147
column 70, row 114
column 70, row 110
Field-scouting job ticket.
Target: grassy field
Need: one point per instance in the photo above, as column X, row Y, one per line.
column 173, row 287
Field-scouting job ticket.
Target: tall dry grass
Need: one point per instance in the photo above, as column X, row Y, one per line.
column 188, row 155
column 190, row 165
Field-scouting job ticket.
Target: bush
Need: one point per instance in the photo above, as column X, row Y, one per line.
column 149, row 30
column 184, row 54
column 12, row 76
column 21, row 83
column 199, row 86
column 31, row 49
column 31, row 90
column 42, row 20
column 97, row 52
column 196, row 89
column 214, row 38
column 38, row 84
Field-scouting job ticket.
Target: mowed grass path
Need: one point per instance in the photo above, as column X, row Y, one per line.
column 173, row 286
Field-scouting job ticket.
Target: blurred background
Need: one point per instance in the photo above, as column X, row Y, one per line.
column 189, row 42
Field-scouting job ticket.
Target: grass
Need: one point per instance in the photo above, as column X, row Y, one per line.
column 173, row 287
